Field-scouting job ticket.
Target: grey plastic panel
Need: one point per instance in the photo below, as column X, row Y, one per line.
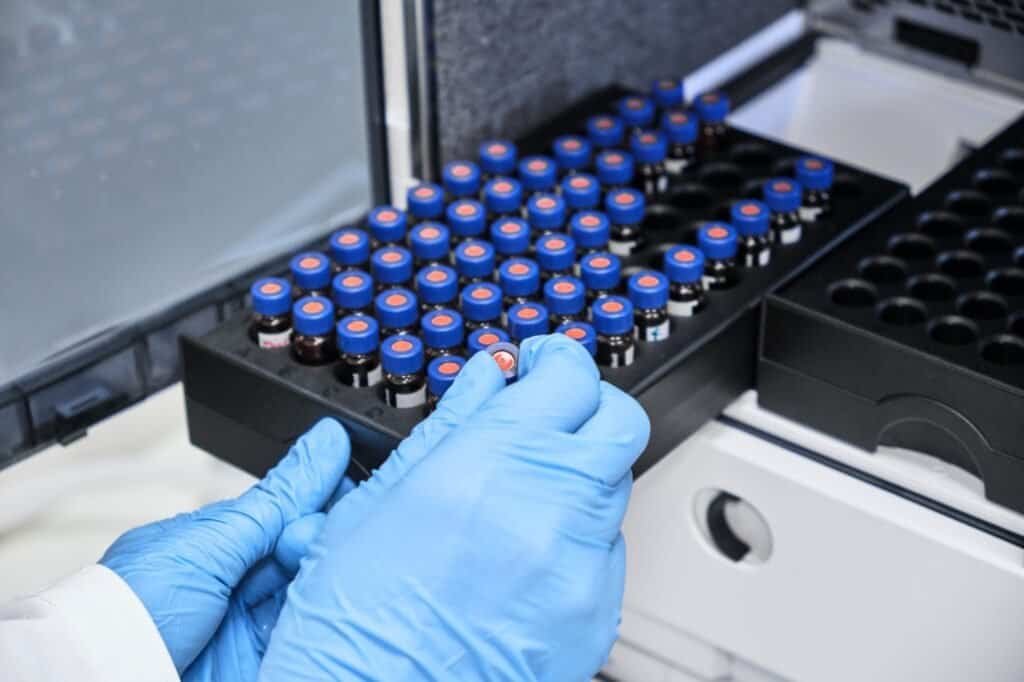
column 14, row 429
column 506, row 67
column 162, row 345
column 152, row 150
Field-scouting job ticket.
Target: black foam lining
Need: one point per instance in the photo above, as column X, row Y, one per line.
column 503, row 67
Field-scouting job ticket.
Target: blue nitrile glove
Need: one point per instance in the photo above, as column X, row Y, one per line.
column 214, row 580
column 486, row 547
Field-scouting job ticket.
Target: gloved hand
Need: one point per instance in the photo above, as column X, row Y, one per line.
column 486, row 547
column 214, row 580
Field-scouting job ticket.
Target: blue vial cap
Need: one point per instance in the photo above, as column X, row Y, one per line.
column 668, row 92
column 442, row 328
column 572, row 152
column 426, row 201
column 680, row 127
column 649, row 146
column 481, row 302
column 537, row 173
column 712, row 107
column 350, row 246
column 466, row 218
column 503, row 195
column 429, row 241
column 396, row 308
column 782, row 194
column 526, row 320
column 546, row 212
column 648, row 290
column 402, row 354
column 437, row 284
column 590, row 229
column 582, row 332
column 717, row 241
column 498, row 157
column 605, row 131
column 750, row 217
column 475, row 258
column 684, row 264
column 352, row 290
column 357, row 334
column 441, row 373
column 814, row 172
column 519, row 277
column 461, row 178
column 510, row 236
column 564, row 296
column 624, row 207
column 636, row 111
column 581, row 191
column 487, row 336
column 387, row 224
column 311, row 270
column 556, row 252
column 612, row 315
column 601, row 271
column 313, row 316
column 271, row 296
column 614, row 167
column 391, row 265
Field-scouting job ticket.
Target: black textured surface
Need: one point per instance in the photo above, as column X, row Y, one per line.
column 681, row 381
column 913, row 334
column 503, row 68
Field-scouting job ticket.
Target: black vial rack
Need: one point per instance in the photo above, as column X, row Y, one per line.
column 912, row 334
column 246, row 404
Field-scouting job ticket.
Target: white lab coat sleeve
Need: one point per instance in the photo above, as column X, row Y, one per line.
column 89, row 627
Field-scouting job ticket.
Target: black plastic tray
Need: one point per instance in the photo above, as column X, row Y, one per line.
column 913, row 333
column 245, row 405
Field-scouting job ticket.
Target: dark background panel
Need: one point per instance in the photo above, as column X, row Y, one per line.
column 502, row 68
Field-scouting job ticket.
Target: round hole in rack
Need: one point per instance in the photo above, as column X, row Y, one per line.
column 953, row 330
column 883, row 269
column 994, row 181
column 940, row 224
column 846, row 186
column 1012, row 159
column 691, row 196
column 931, row 287
column 853, row 293
column 987, row 240
column 753, row 189
column 1009, row 218
column 722, row 212
column 902, row 311
column 912, row 246
column 1016, row 325
column 1003, row 349
column 969, row 203
column 660, row 217
column 982, row 305
column 961, row 264
column 1007, row 281
column 751, row 154
column 721, row 176
column 785, row 166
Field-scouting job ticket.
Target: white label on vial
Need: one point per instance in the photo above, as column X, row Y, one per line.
column 676, row 166
column 654, row 333
column 621, row 248
column 764, row 257
column 277, row 340
column 372, row 377
column 682, row 308
column 414, row 399
column 624, row 359
column 707, row 281
column 661, row 184
column 809, row 214
column 791, row 235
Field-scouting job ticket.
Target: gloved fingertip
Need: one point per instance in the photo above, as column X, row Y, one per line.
column 559, row 347
column 346, row 486
column 296, row 540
